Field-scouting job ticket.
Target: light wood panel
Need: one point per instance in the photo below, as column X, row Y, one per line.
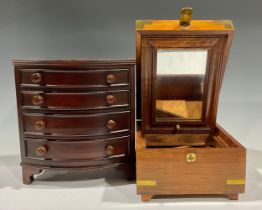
column 217, row 170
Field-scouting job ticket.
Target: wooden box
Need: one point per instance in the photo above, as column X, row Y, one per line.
column 216, row 170
column 180, row 149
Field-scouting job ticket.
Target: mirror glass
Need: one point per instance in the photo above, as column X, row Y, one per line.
column 180, row 76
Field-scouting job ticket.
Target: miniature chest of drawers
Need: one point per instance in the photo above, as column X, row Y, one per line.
column 75, row 115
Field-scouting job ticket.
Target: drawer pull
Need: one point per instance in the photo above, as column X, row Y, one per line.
column 111, row 124
column 110, row 78
column 36, row 77
column 110, row 150
column 39, row 125
column 110, row 99
column 41, row 150
column 37, row 100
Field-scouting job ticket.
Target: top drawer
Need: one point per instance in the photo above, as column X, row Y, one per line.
column 74, row 78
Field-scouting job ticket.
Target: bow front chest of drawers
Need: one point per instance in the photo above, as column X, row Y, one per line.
column 75, row 115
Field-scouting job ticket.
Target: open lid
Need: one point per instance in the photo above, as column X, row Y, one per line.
column 180, row 67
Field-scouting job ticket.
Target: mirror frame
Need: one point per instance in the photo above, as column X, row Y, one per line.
column 216, row 42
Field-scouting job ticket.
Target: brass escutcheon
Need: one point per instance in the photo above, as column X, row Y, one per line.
column 191, row 157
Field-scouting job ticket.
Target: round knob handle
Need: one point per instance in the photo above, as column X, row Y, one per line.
column 185, row 16
column 41, row 150
column 110, row 78
column 110, row 150
column 111, row 124
column 39, row 125
column 37, row 100
column 36, row 77
column 110, row 99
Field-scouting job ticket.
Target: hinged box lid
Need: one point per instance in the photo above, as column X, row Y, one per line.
column 180, row 67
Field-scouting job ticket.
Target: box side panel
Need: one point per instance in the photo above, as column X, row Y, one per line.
column 166, row 171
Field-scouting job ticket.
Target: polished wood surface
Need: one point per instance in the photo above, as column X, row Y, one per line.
column 80, row 100
column 76, row 78
column 76, row 150
column 76, row 114
column 90, row 124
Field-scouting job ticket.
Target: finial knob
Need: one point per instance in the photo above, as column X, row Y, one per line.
column 185, row 16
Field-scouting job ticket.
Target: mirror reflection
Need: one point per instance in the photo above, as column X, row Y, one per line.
column 180, row 84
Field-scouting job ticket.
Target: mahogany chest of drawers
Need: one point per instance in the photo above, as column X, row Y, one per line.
column 75, row 115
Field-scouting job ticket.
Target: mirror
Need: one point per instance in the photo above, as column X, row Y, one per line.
column 180, row 76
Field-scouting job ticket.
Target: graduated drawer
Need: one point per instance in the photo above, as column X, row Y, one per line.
column 74, row 78
column 76, row 124
column 76, row 150
column 90, row 100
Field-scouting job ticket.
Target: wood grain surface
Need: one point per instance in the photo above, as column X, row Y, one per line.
column 173, row 175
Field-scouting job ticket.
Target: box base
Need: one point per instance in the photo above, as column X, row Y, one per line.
column 146, row 198
column 219, row 169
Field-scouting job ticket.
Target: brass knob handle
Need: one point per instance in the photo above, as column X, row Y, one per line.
column 39, row 125
column 111, row 124
column 110, row 78
column 110, row 99
column 110, row 150
column 41, row 150
column 185, row 16
column 37, row 100
column 36, row 77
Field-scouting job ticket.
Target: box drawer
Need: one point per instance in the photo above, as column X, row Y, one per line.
column 74, row 78
column 76, row 100
column 77, row 124
column 76, row 150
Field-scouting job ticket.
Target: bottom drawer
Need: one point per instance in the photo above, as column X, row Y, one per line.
column 76, row 150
